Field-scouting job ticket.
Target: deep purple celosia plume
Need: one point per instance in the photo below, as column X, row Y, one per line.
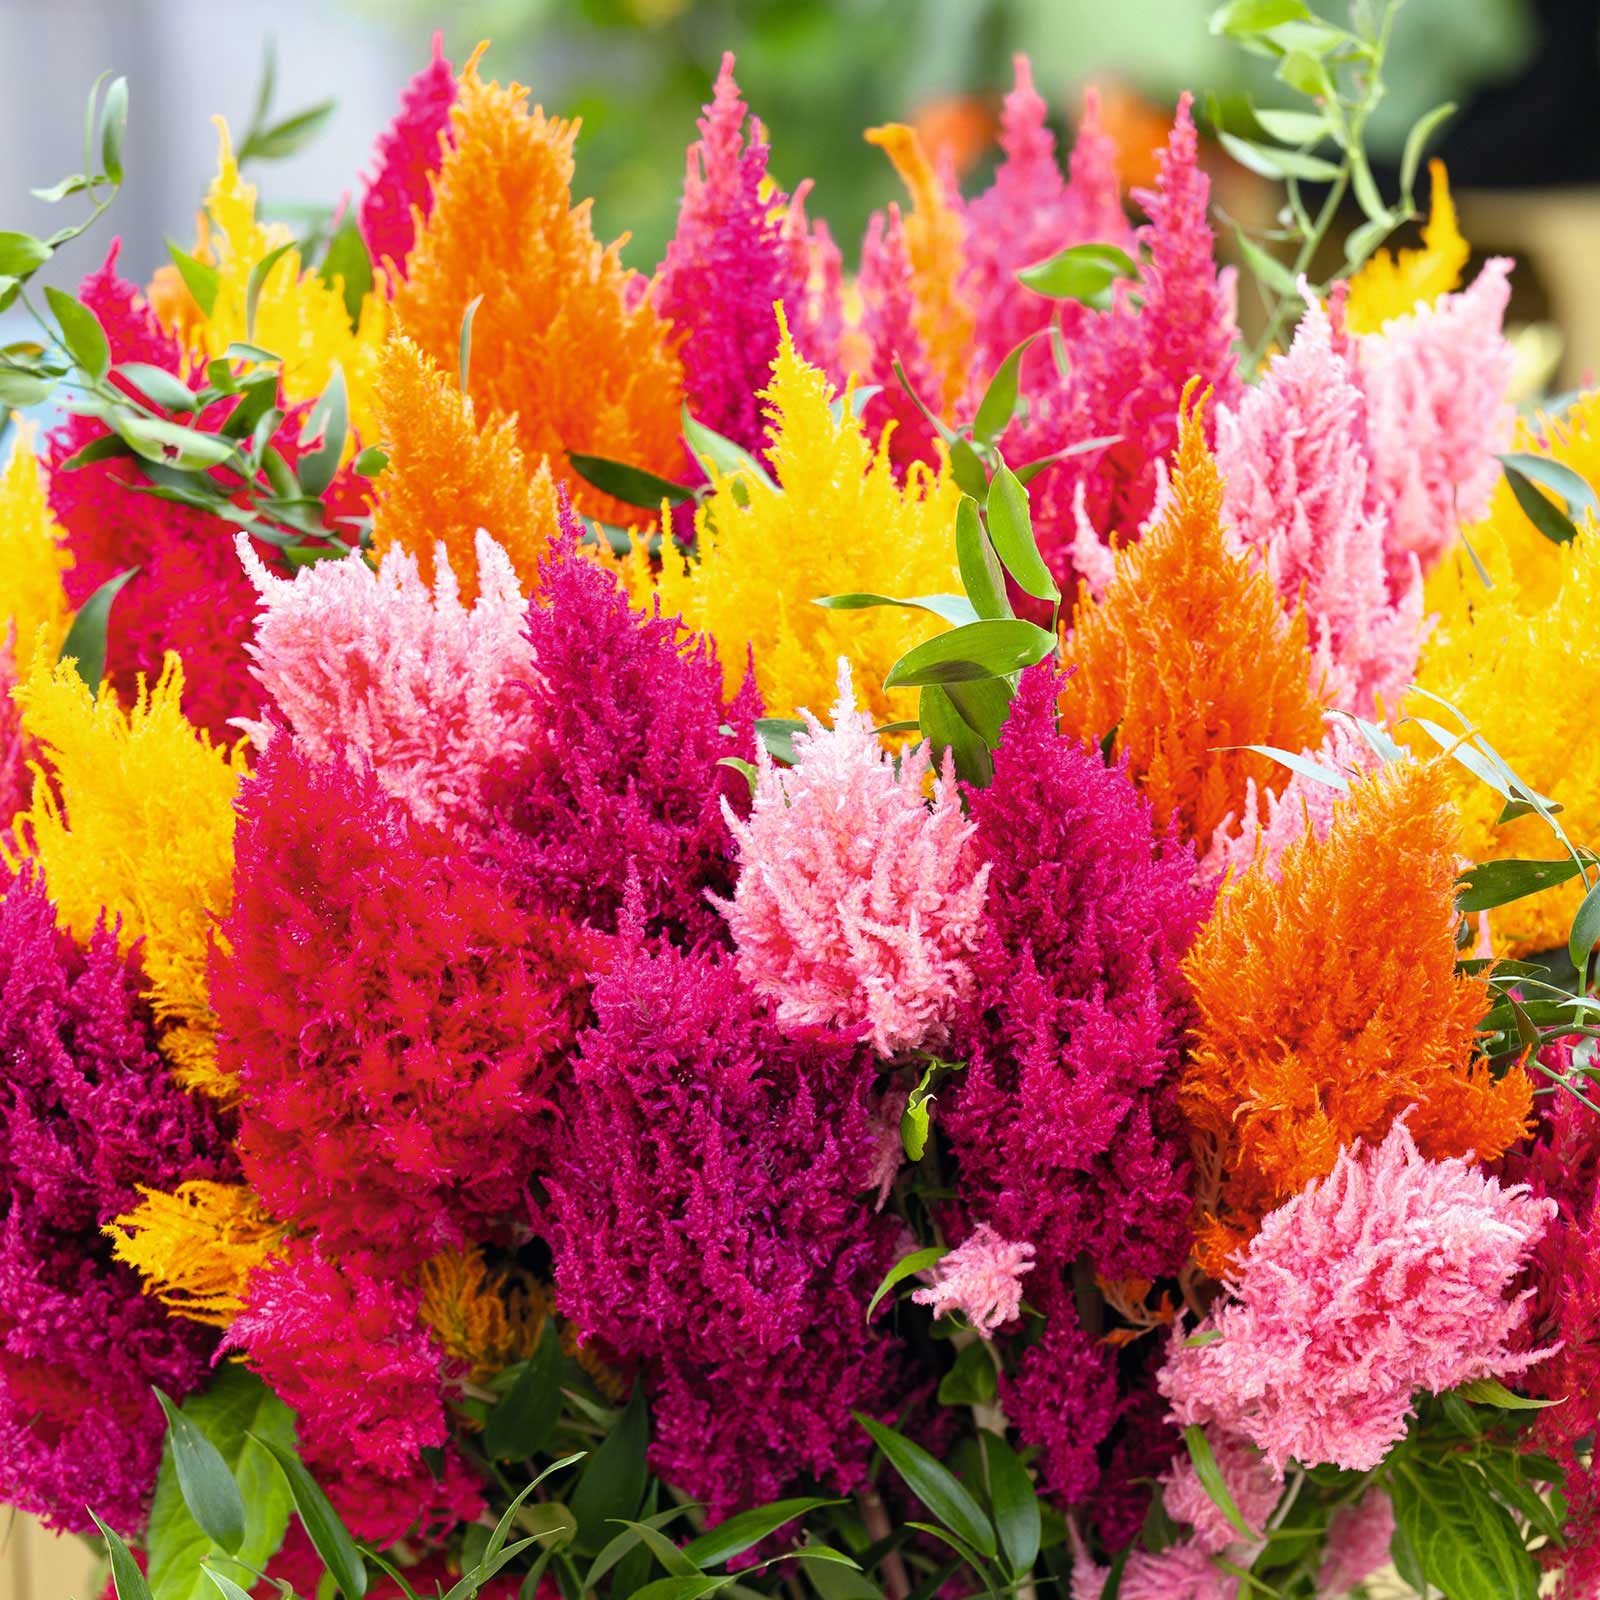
column 395, row 1021
column 407, row 154
column 711, row 1222
column 623, row 780
column 87, row 1111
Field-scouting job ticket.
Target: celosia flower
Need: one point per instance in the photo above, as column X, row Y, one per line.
column 1388, row 1276
column 981, row 1278
column 1296, row 495
column 33, row 557
column 485, row 1319
column 15, row 779
column 858, row 905
column 1390, row 286
column 1254, row 1487
column 1062, row 1399
column 1183, row 1571
column 1308, row 1040
column 196, row 1246
column 624, row 781
column 729, row 262
column 135, row 823
column 763, row 562
column 1064, row 1122
column 447, row 477
column 89, row 1110
column 1435, row 383
column 375, row 668
column 1358, row 1538
column 395, row 1022
column 1189, row 656
column 407, row 154
column 558, row 341
column 709, row 1222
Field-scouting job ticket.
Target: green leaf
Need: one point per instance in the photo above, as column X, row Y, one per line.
column 977, row 650
column 208, row 1486
column 254, row 284
column 521, row 1423
column 955, row 1542
column 738, row 1533
column 1015, row 1502
column 1505, row 1474
column 981, row 573
column 158, row 386
column 1266, row 267
column 22, row 254
column 720, row 457
column 777, row 735
column 1573, row 487
column 907, row 1266
column 1273, row 161
column 126, row 1577
column 1491, row 1392
column 468, row 1585
column 80, row 332
column 750, row 771
column 1212, row 1481
column 971, row 1381
column 999, row 403
column 225, row 1586
column 170, row 444
column 113, row 128
column 945, row 728
column 612, row 1482
column 284, row 138
column 939, row 427
column 1291, row 127
column 1241, row 17
column 1011, row 531
column 370, row 462
column 663, row 1549
column 1304, row 72
column 59, row 191
column 23, row 389
column 1306, row 767
column 936, row 1487
column 967, row 468
column 85, row 643
column 347, row 265
column 1082, row 272
column 106, row 448
column 680, row 1588
column 327, row 1533
column 633, row 486
column 1549, row 519
column 1365, row 188
column 1417, row 141
column 199, row 277
column 1497, row 883
column 1464, row 1541
column 329, row 421
column 983, row 705
column 956, row 609
column 496, row 1540
column 1362, row 241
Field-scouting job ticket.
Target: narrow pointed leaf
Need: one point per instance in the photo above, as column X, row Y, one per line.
column 978, row 650
column 327, row 1533
column 209, row 1489
column 981, row 574
column 935, row 1486
column 906, row 1267
column 81, row 332
column 956, row 609
column 1011, row 529
column 523, row 1420
column 1016, row 1505
column 999, row 402
column 738, row 1533
column 632, row 485
column 126, row 1577
column 85, row 642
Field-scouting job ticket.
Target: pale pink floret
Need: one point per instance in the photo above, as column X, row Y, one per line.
column 981, row 1278
column 1297, row 496
column 1388, row 1276
column 1254, row 1486
column 377, row 666
column 858, row 904
column 1435, row 381
column 1182, row 1571
column 1358, row 1544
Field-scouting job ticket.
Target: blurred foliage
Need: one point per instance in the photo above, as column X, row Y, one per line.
column 818, row 72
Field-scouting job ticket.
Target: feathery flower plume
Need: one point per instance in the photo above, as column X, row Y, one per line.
column 1183, row 1571
column 1254, row 1486
column 1296, row 494
column 982, row 1279
column 558, row 340
column 1358, row 1544
column 395, row 1023
column 764, row 561
column 407, row 154
column 857, row 905
column 1189, row 655
column 374, row 667
column 1062, row 1398
column 485, row 1319
column 1308, row 1041
column 1390, row 286
column 134, row 822
column 1387, row 1276
column 447, row 477
column 33, row 558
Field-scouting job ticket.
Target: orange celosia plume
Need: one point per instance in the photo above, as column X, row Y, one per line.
column 1329, row 1002
column 1188, row 655
column 447, row 476
column 558, row 342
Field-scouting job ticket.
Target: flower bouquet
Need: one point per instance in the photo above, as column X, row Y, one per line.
column 754, row 932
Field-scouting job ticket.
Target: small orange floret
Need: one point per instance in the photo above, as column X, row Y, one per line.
column 447, row 477
column 559, row 344
column 1189, row 655
column 1329, row 1003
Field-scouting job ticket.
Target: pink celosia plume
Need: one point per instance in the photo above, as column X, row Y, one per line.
column 858, row 904
column 981, row 1278
column 1251, row 1482
column 1358, row 1544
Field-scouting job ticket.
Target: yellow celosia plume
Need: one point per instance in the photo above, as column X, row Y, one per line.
column 135, row 820
column 447, row 476
column 488, row 1320
column 934, row 236
column 196, row 1247
column 1391, row 285
column 33, row 606
column 841, row 524
column 299, row 318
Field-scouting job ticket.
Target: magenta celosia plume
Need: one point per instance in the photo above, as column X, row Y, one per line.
column 388, row 672
column 981, row 1279
column 1062, row 1399
column 1390, row 1275
column 859, row 904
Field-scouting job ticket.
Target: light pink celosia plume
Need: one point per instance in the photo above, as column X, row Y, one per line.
column 858, row 904
column 981, row 1278
column 1251, row 1482
column 1358, row 1544
column 1297, row 496
column 431, row 693
column 1388, row 1276
column 1182, row 1571
column 1435, row 382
